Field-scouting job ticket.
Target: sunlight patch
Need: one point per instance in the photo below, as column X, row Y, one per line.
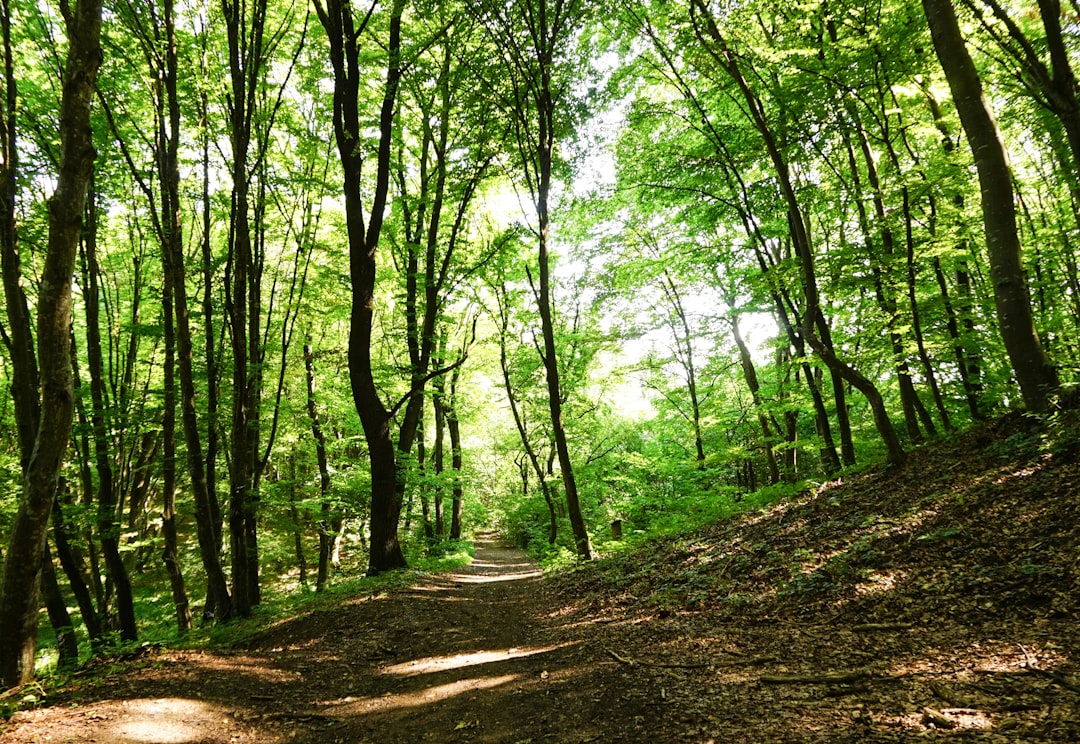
column 492, row 578
column 879, row 583
column 419, row 698
column 165, row 721
column 484, row 572
column 460, row 661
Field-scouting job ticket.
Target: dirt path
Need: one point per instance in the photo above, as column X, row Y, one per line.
column 938, row 601
column 467, row 657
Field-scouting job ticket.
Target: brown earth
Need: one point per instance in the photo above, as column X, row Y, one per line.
column 939, row 600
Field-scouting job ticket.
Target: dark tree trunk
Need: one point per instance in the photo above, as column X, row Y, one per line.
column 170, row 554
column 67, row 644
column 210, row 341
column 545, row 151
column 456, row 463
column 20, row 337
column 438, row 455
column 74, row 572
column 421, row 468
column 1034, row 372
column 387, row 484
column 20, row 595
column 326, row 519
column 246, row 62
column 108, row 523
column 219, row 603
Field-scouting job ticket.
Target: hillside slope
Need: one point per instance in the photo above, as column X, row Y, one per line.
column 941, row 598
column 938, row 600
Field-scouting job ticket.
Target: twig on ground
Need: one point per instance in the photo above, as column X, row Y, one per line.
column 839, row 678
column 938, row 718
column 1032, row 666
column 871, row 627
column 659, row 664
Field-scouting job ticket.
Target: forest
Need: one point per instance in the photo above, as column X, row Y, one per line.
column 292, row 290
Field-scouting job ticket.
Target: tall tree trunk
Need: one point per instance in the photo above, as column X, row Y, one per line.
column 545, row 143
column 751, row 378
column 326, row 519
column 107, row 518
column 218, row 602
column 210, row 341
column 456, row 463
column 20, row 338
column 19, row 595
column 798, row 229
column 170, row 553
column 245, row 34
column 1034, row 372
column 387, row 483
column 438, row 454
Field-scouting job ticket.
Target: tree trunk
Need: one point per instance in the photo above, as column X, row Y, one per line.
column 20, row 341
column 170, row 554
column 545, row 143
column 19, row 595
column 519, row 421
column 751, row 378
column 107, row 518
column 326, row 534
column 245, row 68
column 1034, row 372
column 67, row 644
column 438, row 455
column 387, row 483
column 74, row 572
column 454, row 427
column 685, row 357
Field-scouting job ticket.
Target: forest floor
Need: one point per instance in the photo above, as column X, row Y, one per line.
column 936, row 600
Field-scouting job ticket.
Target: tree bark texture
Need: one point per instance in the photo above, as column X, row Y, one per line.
column 19, row 595
column 326, row 531
column 386, row 497
column 1034, row 372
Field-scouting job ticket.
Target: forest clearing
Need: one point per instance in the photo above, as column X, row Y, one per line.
column 937, row 600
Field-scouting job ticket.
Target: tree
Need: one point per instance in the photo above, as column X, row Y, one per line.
column 344, row 36
column 19, row 595
column 1034, row 372
column 532, row 34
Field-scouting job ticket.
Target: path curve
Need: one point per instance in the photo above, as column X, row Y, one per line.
column 462, row 657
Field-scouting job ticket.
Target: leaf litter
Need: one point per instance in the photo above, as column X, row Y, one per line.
column 937, row 600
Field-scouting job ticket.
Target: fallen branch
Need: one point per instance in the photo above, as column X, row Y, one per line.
column 1058, row 679
column 949, row 696
column 660, row 664
column 621, row 660
column 872, row 627
column 839, row 678
column 938, row 718
column 1031, row 665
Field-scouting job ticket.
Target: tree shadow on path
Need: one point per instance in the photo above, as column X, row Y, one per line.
column 460, row 657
